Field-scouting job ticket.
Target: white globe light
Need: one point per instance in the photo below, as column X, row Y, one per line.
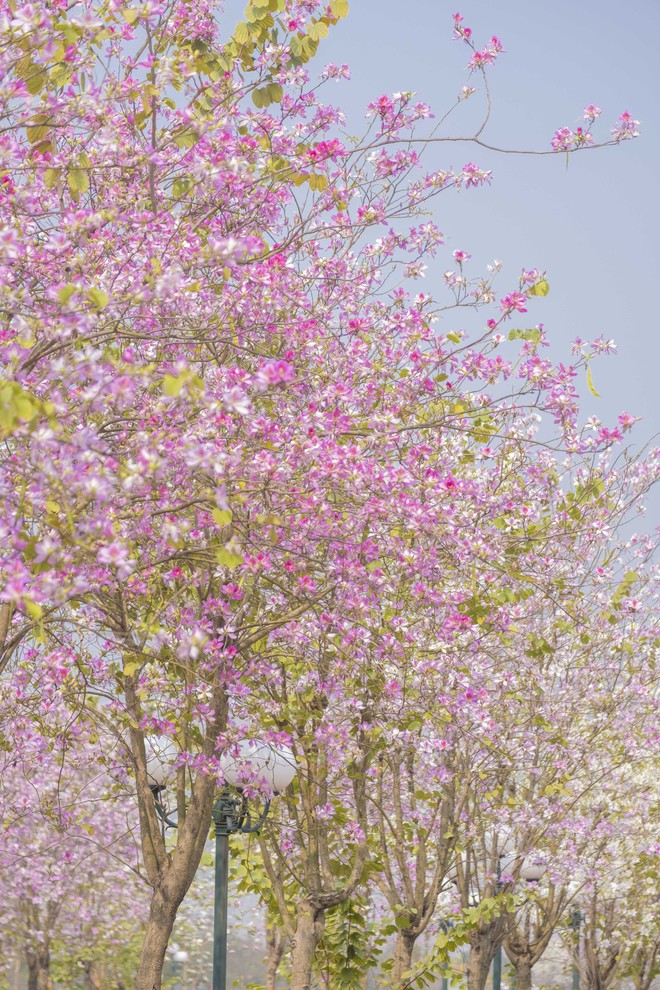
column 162, row 756
column 507, row 861
column 257, row 763
column 532, row 872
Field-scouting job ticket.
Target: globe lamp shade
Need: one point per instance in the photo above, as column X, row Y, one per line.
column 532, row 872
column 255, row 763
column 162, row 757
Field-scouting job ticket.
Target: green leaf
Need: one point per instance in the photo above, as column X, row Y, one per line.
column 242, row 33
column 33, row 609
column 275, row 92
column 37, row 133
column 318, row 182
column 51, row 177
column 260, row 98
column 454, row 337
column 590, row 384
column 99, row 298
column 181, row 187
column 339, row 8
column 533, row 334
column 60, row 74
column 317, row 30
column 130, row 14
column 222, row 516
column 172, row 385
column 541, row 288
column 227, row 558
column 78, row 181
column 186, row 139
column 35, row 81
column 66, row 292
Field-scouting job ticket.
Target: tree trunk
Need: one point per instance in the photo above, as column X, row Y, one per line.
column 157, row 935
column 308, row 934
column 275, row 950
column 403, row 951
column 90, row 977
column 38, row 969
column 523, row 972
column 479, row 961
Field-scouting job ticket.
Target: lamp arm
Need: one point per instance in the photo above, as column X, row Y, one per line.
column 248, row 827
column 162, row 814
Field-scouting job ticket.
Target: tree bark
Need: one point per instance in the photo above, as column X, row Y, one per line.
column 523, row 972
column 479, row 961
column 275, row 950
column 159, row 928
column 170, row 873
column 403, row 951
column 90, row 978
column 38, row 963
column 308, row 934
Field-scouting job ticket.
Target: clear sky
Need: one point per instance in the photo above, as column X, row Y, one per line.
column 594, row 226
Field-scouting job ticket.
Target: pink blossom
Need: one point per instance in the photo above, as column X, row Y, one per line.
column 625, row 127
column 336, row 72
column 563, row 139
column 514, row 302
column 475, row 176
column 274, row 373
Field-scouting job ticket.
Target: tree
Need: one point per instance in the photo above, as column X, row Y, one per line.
column 214, row 390
column 74, row 893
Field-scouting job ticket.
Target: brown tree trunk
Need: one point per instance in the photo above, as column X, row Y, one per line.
column 170, row 873
column 38, row 969
column 403, row 951
column 523, row 972
column 91, row 980
column 308, row 934
column 157, row 935
column 479, row 961
column 275, row 950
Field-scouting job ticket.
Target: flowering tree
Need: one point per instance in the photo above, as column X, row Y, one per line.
column 227, row 415
column 67, row 852
column 614, row 935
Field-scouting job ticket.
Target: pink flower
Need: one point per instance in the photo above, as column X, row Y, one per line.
column 116, row 555
column 626, row 420
column 459, row 31
column 563, row 139
column 336, row 72
column 475, row 176
column 9, row 242
column 487, row 55
column 514, row 302
column 237, row 401
column 625, row 127
column 274, row 373
column 591, row 112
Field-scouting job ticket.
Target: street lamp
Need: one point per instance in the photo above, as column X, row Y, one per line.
column 576, row 920
column 530, row 872
column 252, row 762
column 179, row 960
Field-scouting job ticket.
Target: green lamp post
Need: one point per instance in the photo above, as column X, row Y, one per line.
column 255, row 761
column 530, row 872
column 576, row 920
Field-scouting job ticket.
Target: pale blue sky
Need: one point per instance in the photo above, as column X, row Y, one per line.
column 593, row 227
